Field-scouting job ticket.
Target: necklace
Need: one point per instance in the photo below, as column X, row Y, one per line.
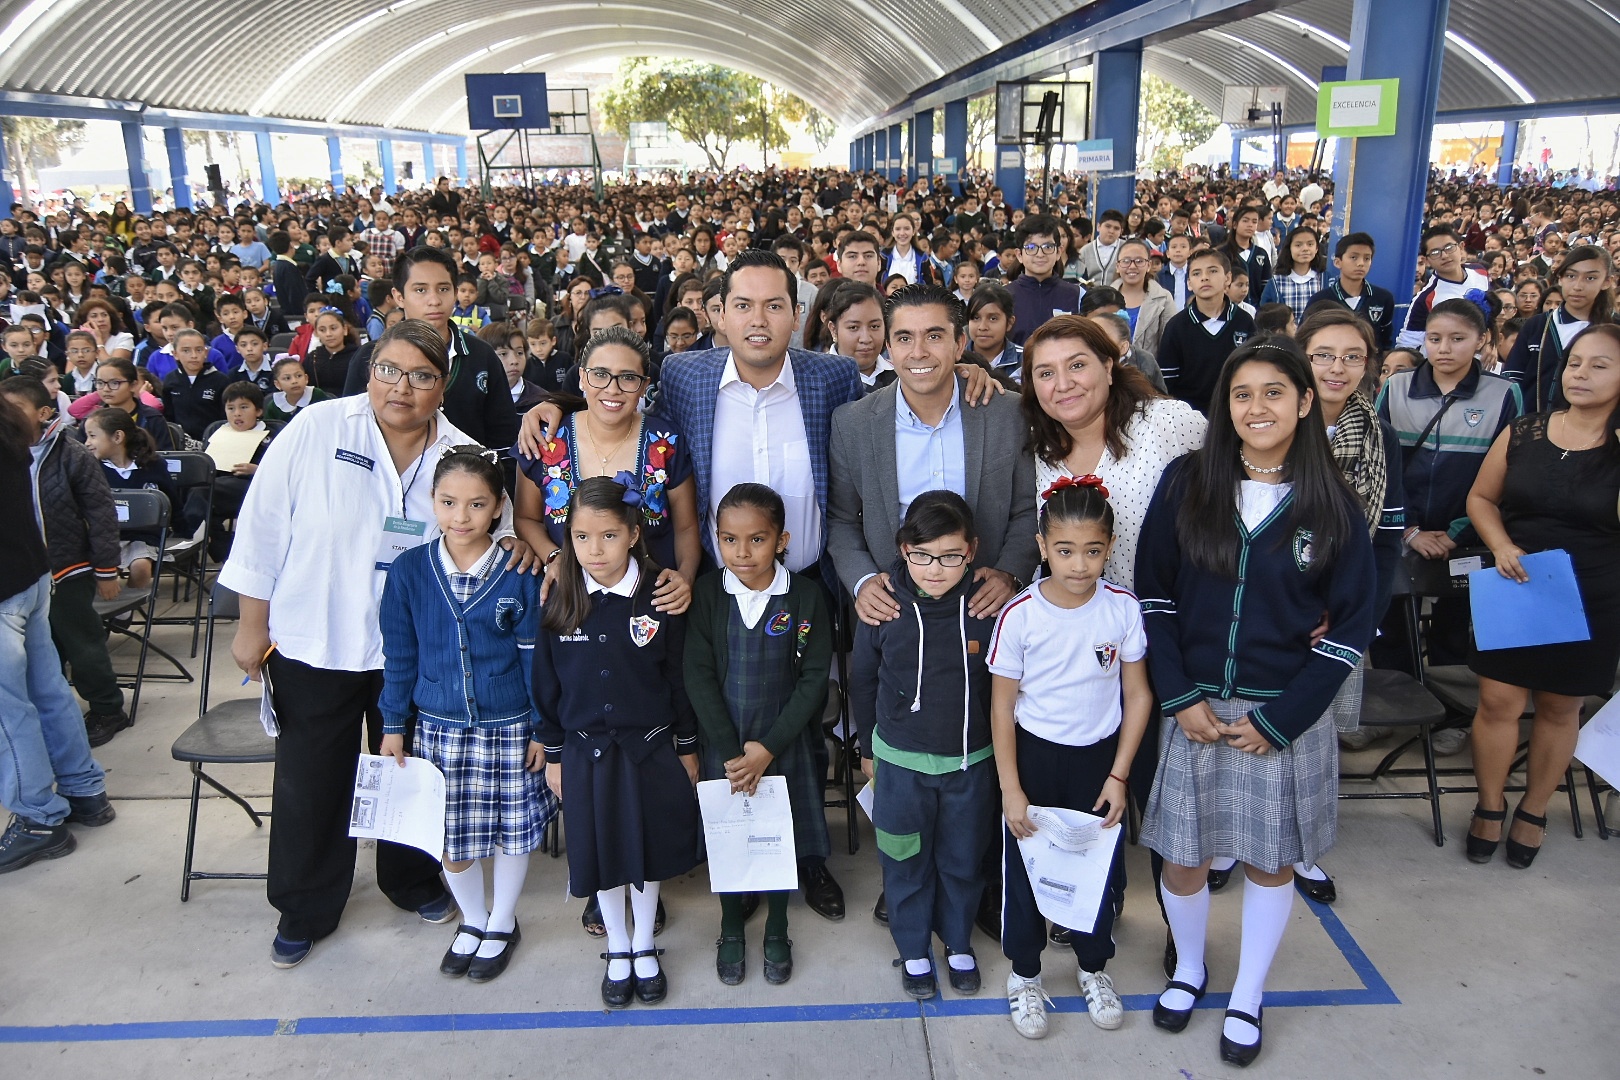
column 1564, row 416
column 595, row 446
column 1257, row 469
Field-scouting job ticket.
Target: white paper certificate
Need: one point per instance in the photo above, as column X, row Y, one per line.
column 1068, row 860
column 750, row 837
column 405, row 805
column 1598, row 746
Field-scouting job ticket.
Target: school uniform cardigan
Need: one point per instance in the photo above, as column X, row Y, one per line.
column 1249, row 636
column 1536, row 362
column 1377, row 306
column 1190, row 357
column 454, row 662
column 595, row 683
column 706, row 661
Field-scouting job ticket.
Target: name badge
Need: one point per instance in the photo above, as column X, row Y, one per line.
column 355, row 459
column 398, row 535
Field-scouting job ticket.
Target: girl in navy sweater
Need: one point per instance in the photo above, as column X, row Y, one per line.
column 1246, row 544
column 620, row 736
column 458, row 629
column 129, row 460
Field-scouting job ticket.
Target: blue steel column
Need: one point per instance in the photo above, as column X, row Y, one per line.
column 8, row 194
column 334, row 161
column 880, row 152
column 269, row 187
column 897, row 164
column 385, row 154
column 461, row 163
column 427, row 162
column 869, row 151
column 922, row 144
column 174, row 141
column 1117, row 78
column 1237, row 153
column 140, row 192
column 1510, row 152
column 956, row 130
column 1010, row 174
column 1402, row 39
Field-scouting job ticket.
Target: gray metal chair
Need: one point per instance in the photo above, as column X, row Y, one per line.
column 188, row 556
column 140, row 512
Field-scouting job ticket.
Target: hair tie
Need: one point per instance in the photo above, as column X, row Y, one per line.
column 1478, row 299
column 627, row 480
column 335, row 286
column 1090, row 480
column 329, row 310
column 607, row 290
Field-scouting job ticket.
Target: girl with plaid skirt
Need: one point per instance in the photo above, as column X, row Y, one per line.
column 758, row 649
column 458, row 630
column 1250, row 547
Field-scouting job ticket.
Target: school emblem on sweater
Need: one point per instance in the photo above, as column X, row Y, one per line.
column 1239, row 337
column 1303, row 552
column 642, row 629
column 1106, row 654
column 804, row 635
column 1375, row 312
column 780, row 623
column 482, row 382
column 1472, row 417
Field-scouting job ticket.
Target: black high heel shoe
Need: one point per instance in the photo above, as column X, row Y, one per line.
column 1175, row 1020
column 1520, row 856
column 1239, row 1054
column 616, row 993
column 1481, row 850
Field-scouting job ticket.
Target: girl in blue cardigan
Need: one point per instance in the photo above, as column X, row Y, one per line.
column 458, row 632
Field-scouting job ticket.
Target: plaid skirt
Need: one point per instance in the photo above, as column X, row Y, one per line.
column 1346, row 705
column 1212, row 800
column 490, row 799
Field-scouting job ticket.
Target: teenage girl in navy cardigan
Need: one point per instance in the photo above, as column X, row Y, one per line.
column 620, row 736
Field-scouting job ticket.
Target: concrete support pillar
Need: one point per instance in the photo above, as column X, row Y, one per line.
column 8, row 194
column 334, row 163
column 922, row 144
column 269, row 187
column 385, row 156
column 1237, row 153
column 1510, row 152
column 956, row 132
column 1117, row 78
column 1010, row 175
column 140, row 190
column 174, row 141
column 897, row 163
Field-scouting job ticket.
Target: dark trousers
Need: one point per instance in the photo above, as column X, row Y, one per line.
column 932, row 832
column 311, row 853
column 1070, row 777
column 82, row 641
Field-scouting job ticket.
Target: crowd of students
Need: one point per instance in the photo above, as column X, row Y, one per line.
column 1059, row 480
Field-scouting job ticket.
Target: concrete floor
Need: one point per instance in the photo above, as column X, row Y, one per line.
column 1428, row 966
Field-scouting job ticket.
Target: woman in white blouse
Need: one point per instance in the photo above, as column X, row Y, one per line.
column 101, row 319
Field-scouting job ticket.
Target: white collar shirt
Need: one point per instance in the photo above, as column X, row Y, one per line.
column 759, row 437
column 750, row 604
column 625, row 586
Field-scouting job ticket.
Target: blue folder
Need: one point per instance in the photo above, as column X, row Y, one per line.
column 1546, row 610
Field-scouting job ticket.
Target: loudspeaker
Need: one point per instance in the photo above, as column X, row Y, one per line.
column 215, row 181
column 410, row 167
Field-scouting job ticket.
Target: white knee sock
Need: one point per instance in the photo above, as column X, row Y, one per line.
column 468, row 889
column 510, row 871
column 1266, row 910
column 1189, row 921
column 644, row 906
column 1310, row 871
column 1222, row 865
column 618, row 934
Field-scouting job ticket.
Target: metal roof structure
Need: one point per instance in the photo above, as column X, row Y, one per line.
column 398, row 63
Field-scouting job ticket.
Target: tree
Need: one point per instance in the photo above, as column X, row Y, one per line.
column 981, row 127
column 33, row 141
column 1172, row 123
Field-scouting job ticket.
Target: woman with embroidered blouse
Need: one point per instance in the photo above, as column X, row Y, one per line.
column 610, row 436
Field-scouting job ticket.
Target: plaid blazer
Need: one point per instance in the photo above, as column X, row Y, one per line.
column 689, row 386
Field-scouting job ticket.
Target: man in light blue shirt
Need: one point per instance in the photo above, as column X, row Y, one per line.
column 929, row 457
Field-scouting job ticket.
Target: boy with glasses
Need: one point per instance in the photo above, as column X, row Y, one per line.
column 1040, row 292
column 1449, row 279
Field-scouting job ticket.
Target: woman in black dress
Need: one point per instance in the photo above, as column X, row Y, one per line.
column 1550, row 481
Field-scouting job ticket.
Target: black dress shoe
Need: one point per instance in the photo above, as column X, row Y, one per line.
column 1219, row 878
column 456, row 964
column 616, row 993
column 880, row 910
column 1176, row 1019
column 655, row 988
column 1169, row 954
column 1323, row 891
column 591, row 917
column 90, row 810
column 1060, row 935
column 730, row 973
column 963, row 982
column 750, row 904
column 988, row 918
column 101, row 727
column 922, row 987
column 821, row 893
column 486, row 968
column 659, row 919
column 778, row 972
column 1237, row 1053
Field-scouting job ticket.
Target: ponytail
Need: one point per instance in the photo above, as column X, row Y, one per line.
column 113, row 422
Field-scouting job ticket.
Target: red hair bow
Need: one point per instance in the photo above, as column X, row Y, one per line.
column 1090, row 480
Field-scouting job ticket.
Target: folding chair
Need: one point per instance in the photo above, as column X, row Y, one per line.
column 140, row 512
column 839, row 727
column 227, row 734
column 279, row 344
column 188, row 556
column 177, row 437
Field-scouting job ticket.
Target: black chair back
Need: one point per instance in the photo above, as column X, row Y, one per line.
column 189, row 468
column 141, row 510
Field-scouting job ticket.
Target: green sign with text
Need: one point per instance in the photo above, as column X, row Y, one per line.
column 1353, row 109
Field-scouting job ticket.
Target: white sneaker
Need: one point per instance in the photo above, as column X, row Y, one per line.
column 1450, row 742
column 1027, row 1001
column 1361, row 738
column 1101, row 1001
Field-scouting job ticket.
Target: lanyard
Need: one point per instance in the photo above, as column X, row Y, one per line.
column 403, row 495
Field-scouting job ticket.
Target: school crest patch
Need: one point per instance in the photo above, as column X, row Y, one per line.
column 1375, row 312
column 642, row 629
column 1106, row 654
column 780, row 623
column 482, row 382
column 1239, row 337
column 507, row 612
column 1472, row 417
column 1303, row 552
column 804, row 634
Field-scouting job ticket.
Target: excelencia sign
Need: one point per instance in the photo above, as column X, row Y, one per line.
column 1354, row 109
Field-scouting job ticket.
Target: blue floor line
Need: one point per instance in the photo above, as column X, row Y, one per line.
column 1375, row 990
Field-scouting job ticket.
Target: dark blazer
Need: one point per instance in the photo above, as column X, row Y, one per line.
column 864, row 509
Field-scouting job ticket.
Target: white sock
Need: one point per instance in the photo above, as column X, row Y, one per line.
column 644, row 906
column 1189, row 922
column 618, row 934
column 1266, row 910
column 468, row 889
column 510, row 871
column 1310, row 871
column 961, row 961
column 1222, row 865
column 921, row 967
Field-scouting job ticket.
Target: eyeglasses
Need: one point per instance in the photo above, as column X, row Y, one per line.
column 110, row 384
column 601, row 378
column 674, row 338
column 419, row 380
column 1439, row 251
column 923, row 558
column 1133, row 262
column 1351, row 359
column 1040, row 249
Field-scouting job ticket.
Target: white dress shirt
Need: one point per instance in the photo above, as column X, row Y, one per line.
column 308, row 535
column 750, row 604
column 759, row 438
column 625, row 586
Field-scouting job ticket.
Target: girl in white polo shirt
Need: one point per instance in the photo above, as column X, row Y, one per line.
column 1069, row 703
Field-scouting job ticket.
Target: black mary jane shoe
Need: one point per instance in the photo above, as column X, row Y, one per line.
column 1479, row 849
column 591, row 917
column 778, row 972
column 731, row 973
column 654, row 988
column 880, row 910
column 1060, row 935
column 616, row 993
column 1520, row 856
column 487, row 968
column 1239, row 1054
column 1175, row 1020
column 1219, row 878
column 456, row 964
column 1169, row 954
column 924, row 987
column 1323, row 891
column 966, row 982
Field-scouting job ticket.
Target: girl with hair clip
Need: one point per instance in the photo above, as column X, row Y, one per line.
column 454, row 606
column 1069, row 702
column 758, row 649
column 1246, row 543
column 619, row 734
column 1586, row 277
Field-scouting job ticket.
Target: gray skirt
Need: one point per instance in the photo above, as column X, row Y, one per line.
column 1211, row 800
column 1346, row 706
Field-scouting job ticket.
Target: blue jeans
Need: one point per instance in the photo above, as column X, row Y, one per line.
column 43, row 745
